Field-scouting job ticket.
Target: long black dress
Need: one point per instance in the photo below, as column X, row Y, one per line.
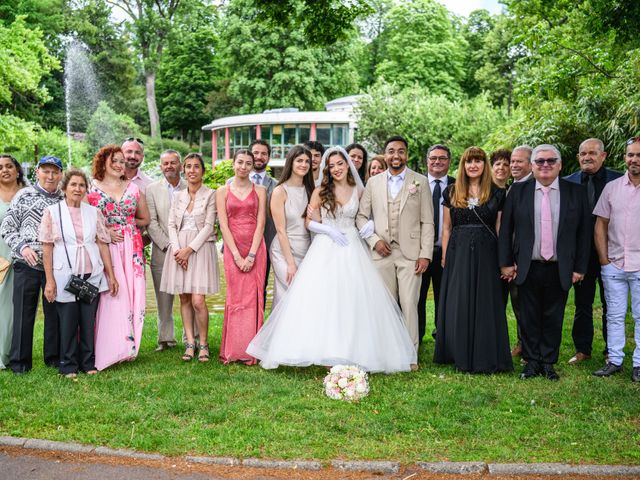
column 472, row 328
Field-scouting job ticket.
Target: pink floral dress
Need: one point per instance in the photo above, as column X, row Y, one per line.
column 120, row 319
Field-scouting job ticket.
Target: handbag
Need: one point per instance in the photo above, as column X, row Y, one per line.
column 78, row 286
column 5, row 265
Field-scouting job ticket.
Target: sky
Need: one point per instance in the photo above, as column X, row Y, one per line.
column 464, row 7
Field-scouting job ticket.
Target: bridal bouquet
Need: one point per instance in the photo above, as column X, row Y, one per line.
column 346, row 382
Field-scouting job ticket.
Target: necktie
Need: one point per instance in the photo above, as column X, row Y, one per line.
column 546, row 226
column 591, row 192
column 437, row 192
column 256, row 178
column 395, row 185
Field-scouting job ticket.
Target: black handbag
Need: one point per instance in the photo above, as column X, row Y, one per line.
column 78, row 286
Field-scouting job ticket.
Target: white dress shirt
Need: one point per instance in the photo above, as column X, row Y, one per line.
column 395, row 182
column 444, row 181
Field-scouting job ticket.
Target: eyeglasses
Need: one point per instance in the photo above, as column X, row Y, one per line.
column 134, row 139
column 436, row 159
column 549, row 161
column 633, row 140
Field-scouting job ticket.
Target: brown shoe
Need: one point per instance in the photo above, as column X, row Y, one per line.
column 414, row 367
column 517, row 350
column 578, row 358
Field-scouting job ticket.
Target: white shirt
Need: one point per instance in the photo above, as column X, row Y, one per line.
column 172, row 189
column 444, row 181
column 395, row 182
column 252, row 177
column 524, row 179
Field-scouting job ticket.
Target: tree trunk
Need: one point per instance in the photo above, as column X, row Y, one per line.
column 154, row 118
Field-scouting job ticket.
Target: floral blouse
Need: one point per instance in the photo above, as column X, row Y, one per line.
column 122, row 216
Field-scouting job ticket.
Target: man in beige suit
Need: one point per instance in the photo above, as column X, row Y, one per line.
column 159, row 196
column 399, row 201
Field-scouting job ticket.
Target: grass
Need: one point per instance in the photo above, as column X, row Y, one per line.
column 158, row 403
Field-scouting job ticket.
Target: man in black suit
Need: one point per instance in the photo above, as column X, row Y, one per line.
column 438, row 159
column 544, row 246
column 594, row 176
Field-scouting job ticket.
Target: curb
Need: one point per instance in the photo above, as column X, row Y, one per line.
column 374, row 466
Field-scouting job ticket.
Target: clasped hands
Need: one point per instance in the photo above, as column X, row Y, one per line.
column 244, row 264
column 182, row 255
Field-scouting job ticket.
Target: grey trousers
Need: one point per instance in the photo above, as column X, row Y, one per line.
column 164, row 301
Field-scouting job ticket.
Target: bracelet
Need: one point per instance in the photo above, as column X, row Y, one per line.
column 251, row 255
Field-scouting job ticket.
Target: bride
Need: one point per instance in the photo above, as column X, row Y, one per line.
column 337, row 310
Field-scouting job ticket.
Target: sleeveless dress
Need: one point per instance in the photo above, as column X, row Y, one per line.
column 120, row 319
column 6, row 298
column 337, row 309
column 298, row 235
column 244, row 305
column 472, row 325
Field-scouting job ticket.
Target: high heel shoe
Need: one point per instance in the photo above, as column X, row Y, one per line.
column 203, row 357
column 187, row 357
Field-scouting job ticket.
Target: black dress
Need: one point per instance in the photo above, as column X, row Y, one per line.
column 472, row 327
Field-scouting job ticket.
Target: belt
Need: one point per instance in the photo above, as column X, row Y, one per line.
column 544, row 262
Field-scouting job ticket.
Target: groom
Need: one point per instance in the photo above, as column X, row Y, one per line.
column 399, row 201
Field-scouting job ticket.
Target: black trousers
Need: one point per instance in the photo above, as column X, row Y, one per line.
column 584, row 295
column 266, row 281
column 515, row 306
column 27, row 284
column 77, row 329
column 542, row 304
column 432, row 274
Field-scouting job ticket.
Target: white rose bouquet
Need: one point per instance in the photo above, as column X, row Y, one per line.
column 346, row 382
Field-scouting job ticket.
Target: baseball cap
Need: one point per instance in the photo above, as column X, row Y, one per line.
column 50, row 160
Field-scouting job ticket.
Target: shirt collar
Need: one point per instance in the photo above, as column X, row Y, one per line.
column 600, row 174
column 555, row 185
column 444, row 180
column 400, row 175
column 525, row 178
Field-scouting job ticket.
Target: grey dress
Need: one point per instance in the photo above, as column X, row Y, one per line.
column 6, row 299
column 298, row 235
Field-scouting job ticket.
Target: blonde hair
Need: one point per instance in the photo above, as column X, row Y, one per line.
column 459, row 198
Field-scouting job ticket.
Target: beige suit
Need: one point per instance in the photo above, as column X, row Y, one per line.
column 406, row 223
column 159, row 202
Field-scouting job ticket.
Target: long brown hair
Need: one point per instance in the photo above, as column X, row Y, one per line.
column 461, row 187
column 328, row 187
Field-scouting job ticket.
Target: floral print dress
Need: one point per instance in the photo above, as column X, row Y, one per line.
column 120, row 319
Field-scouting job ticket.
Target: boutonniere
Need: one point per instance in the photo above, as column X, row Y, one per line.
column 413, row 187
column 473, row 202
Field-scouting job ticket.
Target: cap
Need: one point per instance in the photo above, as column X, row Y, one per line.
column 50, row 160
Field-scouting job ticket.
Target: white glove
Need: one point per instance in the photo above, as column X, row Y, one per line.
column 367, row 230
column 336, row 235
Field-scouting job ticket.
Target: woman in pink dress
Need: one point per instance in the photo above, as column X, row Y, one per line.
column 119, row 319
column 242, row 213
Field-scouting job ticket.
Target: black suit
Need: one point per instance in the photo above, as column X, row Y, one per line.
column 585, row 291
column 433, row 273
column 543, row 286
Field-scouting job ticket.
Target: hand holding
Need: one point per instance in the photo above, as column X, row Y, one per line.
column 367, row 230
column 508, row 273
column 50, row 291
column 30, row 256
column 383, row 248
column 577, row 277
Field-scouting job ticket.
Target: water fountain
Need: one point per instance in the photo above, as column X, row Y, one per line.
column 81, row 89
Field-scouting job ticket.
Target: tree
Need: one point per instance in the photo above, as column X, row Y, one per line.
column 107, row 126
column 151, row 22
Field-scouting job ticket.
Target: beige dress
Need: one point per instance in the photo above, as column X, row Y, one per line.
column 298, row 235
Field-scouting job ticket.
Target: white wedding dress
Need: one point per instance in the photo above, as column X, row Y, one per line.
column 337, row 310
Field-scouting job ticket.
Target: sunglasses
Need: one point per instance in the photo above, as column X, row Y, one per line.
column 633, row 140
column 134, row 139
column 549, row 161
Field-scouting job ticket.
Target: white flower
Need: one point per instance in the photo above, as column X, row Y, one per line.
column 346, row 382
column 473, row 202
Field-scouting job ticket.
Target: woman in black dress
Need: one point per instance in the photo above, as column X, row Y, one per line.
column 472, row 330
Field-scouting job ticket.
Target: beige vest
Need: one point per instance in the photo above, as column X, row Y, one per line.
column 393, row 207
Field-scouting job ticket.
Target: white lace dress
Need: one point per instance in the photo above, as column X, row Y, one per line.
column 337, row 310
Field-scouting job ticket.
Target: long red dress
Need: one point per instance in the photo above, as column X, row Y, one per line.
column 244, row 306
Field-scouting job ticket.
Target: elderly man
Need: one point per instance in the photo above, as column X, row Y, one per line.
column 133, row 150
column 544, row 247
column 438, row 160
column 617, row 236
column 594, row 176
column 159, row 197
column 20, row 229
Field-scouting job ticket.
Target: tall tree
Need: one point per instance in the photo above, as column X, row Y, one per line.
column 151, row 22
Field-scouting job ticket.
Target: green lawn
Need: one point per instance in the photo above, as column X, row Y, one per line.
column 158, row 403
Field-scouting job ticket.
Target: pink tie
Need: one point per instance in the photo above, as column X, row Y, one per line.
column 546, row 226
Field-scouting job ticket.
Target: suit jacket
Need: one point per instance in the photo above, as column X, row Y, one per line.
column 159, row 202
column 204, row 211
column 415, row 225
column 269, row 228
column 576, row 177
column 517, row 230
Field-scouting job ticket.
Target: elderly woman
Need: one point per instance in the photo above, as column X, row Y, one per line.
column 74, row 239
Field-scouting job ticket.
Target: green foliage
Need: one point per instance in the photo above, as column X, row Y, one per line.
column 218, row 176
column 15, row 133
column 424, row 119
column 107, row 126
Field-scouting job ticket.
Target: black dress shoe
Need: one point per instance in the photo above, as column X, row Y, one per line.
column 635, row 374
column 532, row 369
column 608, row 370
column 549, row 372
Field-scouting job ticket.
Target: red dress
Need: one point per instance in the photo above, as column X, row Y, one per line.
column 244, row 306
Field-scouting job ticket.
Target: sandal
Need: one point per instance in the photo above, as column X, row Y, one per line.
column 203, row 357
column 187, row 357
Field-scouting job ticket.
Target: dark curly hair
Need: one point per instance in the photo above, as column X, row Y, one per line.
column 20, row 179
column 100, row 161
column 328, row 187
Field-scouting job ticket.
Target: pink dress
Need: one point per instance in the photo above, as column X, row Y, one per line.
column 244, row 307
column 119, row 320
